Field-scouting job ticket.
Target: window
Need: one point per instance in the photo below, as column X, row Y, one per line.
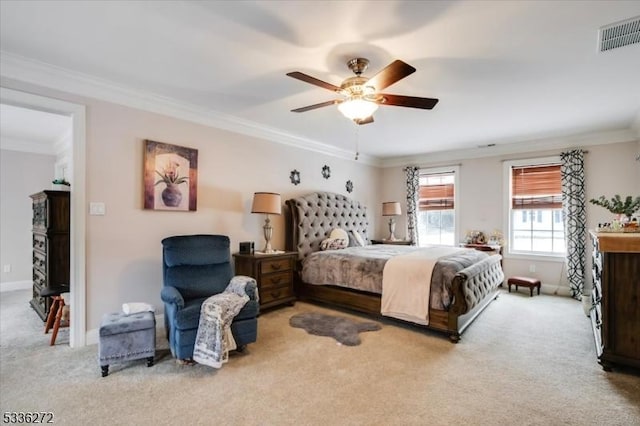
column 436, row 210
column 536, row 224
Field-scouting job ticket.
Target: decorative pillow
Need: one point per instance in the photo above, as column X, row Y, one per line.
column 358, row 238
column 333, row 244
column 339, row 233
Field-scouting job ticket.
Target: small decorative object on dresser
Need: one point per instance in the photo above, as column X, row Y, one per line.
column 623, row 209
column 615, row 317
column 273, row 274
column 51, row 220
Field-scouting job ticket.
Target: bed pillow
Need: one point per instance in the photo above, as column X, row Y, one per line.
column 339, row 233
column 359, row 240
column 333, row 244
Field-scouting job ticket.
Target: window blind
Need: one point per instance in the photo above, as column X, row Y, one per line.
column 536, row 187
column 436, row 197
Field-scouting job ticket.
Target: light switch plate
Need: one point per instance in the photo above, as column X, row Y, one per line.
column 96, row 209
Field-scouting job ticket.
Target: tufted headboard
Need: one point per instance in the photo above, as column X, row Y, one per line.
column 311, row 218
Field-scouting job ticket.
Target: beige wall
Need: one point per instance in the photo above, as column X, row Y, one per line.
column 21, row 174
column 609, row 169
column 123, row 247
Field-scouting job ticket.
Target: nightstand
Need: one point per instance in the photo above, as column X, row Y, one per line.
column 273, row 273
column 490, row 249
column 396, row 242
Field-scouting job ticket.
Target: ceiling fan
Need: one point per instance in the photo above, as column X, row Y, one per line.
column 361, row 95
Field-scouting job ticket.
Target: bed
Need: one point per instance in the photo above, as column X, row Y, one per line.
column 310, row 219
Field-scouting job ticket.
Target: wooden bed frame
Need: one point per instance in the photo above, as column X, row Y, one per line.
column 310, row 220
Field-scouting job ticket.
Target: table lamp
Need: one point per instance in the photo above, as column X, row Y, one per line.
column 391, row 208
column 267, row 203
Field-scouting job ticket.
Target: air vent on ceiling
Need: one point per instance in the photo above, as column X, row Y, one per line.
column 619, row 34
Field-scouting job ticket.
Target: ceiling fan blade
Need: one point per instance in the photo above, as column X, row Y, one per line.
column 408, row 101
column 315, row 106
column 395, row 71
column 364, row 120
column 312, row 80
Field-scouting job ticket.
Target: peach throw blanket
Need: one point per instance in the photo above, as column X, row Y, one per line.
column 406, row 283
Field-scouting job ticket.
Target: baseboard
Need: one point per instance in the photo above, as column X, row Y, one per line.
column 15, row 285
column 556, row 290
column 91, row 337
column 550, row 289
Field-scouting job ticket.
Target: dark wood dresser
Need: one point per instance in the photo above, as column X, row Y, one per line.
column 50, row 245
column 615, row 314
column 273, row 274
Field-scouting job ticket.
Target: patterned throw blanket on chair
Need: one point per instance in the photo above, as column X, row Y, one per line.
column 214, row 339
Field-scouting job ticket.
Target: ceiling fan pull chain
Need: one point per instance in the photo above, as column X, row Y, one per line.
column 357, row 142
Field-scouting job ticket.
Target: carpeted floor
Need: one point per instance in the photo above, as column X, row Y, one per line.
column 525, row 361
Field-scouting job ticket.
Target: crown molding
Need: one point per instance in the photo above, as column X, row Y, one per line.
column 520, row 147
column 39, row 73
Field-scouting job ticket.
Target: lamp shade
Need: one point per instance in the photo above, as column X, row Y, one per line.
column 391, row 208
column 266, row 202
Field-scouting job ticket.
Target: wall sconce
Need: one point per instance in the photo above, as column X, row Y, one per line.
column 391, row 208
column 267, row 203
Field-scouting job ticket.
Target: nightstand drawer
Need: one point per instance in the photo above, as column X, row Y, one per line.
column 276, row 280
column 275, row 265
column 272, row 294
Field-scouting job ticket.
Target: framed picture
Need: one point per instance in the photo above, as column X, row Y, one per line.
column 170, row 177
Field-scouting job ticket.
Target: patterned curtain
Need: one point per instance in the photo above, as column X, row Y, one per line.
column 413, row 187
column 573, row 209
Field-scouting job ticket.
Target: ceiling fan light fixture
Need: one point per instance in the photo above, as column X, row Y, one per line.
column 357, row 108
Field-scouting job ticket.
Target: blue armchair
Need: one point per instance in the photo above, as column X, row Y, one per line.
column 194, row 268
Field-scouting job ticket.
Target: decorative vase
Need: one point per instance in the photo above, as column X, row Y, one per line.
column 171, row 195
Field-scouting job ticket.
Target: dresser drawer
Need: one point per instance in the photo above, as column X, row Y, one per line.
column 40, row 261
column 39, row 280
column 275, row 265
column 40, row 242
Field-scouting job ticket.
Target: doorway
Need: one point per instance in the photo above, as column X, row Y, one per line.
column 77, row 113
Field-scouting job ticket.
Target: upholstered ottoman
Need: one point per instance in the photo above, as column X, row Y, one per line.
column 524, row 282
column 125, row 338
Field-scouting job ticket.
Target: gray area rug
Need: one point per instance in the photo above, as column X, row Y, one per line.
column 343, row 329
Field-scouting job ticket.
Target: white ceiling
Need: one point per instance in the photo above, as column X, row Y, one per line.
column 505, row 72
column 29, row 130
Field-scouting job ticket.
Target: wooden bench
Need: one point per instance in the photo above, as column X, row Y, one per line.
column 524, row 282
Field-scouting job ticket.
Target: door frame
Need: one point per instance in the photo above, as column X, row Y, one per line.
column 77, row 112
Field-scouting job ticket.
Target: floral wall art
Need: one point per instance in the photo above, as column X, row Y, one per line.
column 170, row 177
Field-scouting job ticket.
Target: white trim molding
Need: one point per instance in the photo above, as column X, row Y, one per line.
column 78, row 195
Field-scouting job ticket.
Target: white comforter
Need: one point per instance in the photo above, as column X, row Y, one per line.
column 406, row 283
